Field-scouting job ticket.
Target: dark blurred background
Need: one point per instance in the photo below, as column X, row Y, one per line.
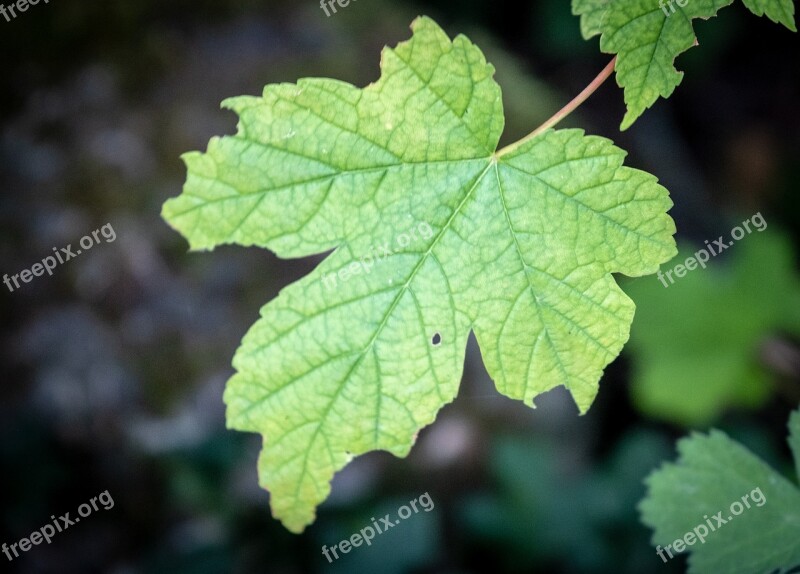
column 113, row 368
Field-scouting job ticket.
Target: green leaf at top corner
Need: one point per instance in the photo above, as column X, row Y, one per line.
column 779, row 11
column 434, row 234
column 647, row 36
column 591, row 13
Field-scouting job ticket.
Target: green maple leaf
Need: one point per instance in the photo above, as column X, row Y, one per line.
column 714, row 473
column 648, row 35
column 435, row 234
column 712, row 355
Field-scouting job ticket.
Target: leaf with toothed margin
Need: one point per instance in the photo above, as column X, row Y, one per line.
column 434, row 234
column 749, row 514
column 591, row 13
column 647, row 36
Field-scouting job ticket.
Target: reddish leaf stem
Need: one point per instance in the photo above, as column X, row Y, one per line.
column 566, row 110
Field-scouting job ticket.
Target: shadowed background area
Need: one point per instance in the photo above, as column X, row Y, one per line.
column 113, row 368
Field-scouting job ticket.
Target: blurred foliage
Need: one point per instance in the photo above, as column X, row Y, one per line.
column 699, row 344
column 544, row 511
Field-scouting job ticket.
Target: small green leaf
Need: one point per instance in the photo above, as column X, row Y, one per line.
column 716, row 476
column 435, row 234
column 779, row 11
column 647, row 36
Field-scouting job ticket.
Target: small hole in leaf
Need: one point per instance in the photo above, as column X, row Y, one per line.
column 437, row 338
